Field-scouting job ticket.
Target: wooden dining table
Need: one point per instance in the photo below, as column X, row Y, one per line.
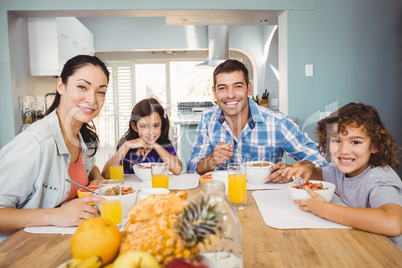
column 263, row 246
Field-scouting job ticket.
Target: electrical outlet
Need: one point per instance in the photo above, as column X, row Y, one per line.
column 274, row 102
column 309, row 70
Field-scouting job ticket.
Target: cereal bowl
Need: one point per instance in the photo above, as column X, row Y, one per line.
column 127, row 200
column 143, row 171
column 327, row 192
column 258, row 171
column 151, row 191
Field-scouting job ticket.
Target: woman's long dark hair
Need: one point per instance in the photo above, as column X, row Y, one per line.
column 87, row 131
column 144, row 108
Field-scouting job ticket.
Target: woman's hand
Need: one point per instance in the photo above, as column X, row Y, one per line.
column 75, row 211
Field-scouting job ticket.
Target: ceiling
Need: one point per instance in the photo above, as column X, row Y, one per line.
column 173, row 17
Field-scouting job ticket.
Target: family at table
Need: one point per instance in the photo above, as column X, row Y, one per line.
column 354, row 150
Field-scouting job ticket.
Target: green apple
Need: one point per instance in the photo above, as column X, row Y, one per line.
column 136, row 259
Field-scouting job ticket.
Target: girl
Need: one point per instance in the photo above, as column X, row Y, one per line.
column 34, row 166
column 147, row 139
column 363, row 157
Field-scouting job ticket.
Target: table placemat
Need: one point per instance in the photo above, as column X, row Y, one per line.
column 176, row 182
column 279, row 211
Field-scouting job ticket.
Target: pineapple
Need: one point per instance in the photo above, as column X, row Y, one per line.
column 171, row 236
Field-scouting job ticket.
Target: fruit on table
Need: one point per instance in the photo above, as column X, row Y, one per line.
column 185, row 263
column 136, row 259
column 206, row 177
column 170, row 236
column 93, row 262
column 96, row 237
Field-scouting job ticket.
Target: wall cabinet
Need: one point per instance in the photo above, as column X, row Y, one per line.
column 52, row 41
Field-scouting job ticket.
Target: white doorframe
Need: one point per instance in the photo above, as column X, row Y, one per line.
column 283, row 62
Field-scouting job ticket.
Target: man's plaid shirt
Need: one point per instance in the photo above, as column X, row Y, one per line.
column 266, row 136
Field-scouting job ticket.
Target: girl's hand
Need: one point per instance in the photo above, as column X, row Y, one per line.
column 143, row 152
column 137, row 143
column 76, row 211
column 314, row 204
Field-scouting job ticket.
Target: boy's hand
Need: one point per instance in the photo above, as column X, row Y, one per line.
column 276, row 175
column 298, row 170
column 314, row 204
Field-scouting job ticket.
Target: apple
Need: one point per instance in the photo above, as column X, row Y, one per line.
column 185, row 263
column 134, row 259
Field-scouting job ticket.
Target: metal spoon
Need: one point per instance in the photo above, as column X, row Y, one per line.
column 136, row 163
column 297, row 182
column 79, row 185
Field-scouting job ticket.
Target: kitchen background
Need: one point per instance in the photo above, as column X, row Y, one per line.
column 354, row 48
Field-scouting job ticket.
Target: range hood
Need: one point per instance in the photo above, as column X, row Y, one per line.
column 218, row 45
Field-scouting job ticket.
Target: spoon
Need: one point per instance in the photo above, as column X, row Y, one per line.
column 79, row 185
column 297, row 182
column 135, row 163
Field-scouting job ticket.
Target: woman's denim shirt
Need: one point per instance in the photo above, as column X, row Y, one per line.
column 34, row 166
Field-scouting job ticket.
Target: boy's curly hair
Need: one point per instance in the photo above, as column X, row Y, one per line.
column 356, row 115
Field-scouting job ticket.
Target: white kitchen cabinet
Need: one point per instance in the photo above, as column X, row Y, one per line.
column 52, row 41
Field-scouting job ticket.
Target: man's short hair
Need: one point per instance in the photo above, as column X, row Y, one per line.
column 230, row 66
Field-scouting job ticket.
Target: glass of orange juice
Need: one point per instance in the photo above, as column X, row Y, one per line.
column 110, row 206
column 237, row 185
column 116, row 166
column 160, row 175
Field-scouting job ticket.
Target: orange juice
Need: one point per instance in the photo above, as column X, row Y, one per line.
column 116, row 173
column 160, row 181
column 111, row 210
column 237, row 188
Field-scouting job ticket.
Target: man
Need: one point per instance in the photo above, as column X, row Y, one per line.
column 238, row 130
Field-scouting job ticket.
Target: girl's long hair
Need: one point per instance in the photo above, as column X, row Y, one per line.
column 356, row 115
column 144, row 108
column 88, row 131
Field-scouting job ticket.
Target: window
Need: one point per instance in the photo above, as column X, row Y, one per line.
column 170, row 82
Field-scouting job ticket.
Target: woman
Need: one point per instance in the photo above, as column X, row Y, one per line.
column 34, row 166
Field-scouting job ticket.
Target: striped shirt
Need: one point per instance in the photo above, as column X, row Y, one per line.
column 266, row 136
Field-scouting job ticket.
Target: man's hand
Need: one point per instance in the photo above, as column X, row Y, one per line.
column 222, row 153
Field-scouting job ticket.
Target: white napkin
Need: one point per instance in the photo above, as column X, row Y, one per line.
column 60, row 230
column 176, row 182
column 50, row 230
column 279, row 211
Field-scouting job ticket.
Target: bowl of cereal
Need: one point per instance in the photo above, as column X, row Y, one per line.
column 323, row 188
column 143, row 171
column 258, row 171
column 128, row 198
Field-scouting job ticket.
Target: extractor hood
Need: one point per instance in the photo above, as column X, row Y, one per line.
column 218, row 45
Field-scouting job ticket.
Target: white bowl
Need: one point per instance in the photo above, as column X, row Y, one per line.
column 127, row 201
column 257, row 174
column 302, row 194
column 143, row 172
column 222, row 175
column 150, row 191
